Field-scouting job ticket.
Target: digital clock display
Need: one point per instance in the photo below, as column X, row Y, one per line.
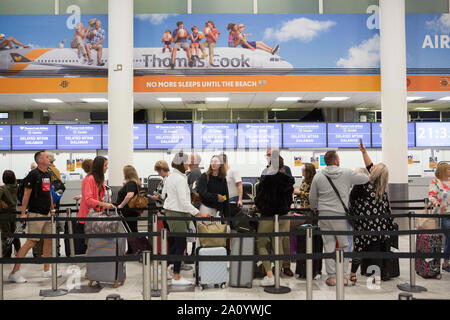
column 433, row 134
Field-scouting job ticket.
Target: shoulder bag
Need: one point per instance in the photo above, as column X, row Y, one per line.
column 347, row 211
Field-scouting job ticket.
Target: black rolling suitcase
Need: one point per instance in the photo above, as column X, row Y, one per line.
column 391, row 267
column 300, row 268
column 78, row 243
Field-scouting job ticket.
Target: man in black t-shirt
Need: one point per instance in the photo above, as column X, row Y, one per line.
column 37, row 201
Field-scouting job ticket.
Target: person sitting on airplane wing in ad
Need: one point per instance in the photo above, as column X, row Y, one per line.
column 180, row 36
column 252, row 45
column 95, row 36
column 8, row 42
column 78, row 40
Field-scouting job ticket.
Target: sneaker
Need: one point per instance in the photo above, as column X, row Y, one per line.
column 288, row 272
column 181, row 282
column 100, row 64
column 48, row 274
column 318, row 277
column 172, row 66
column 16, row 277
column 204, row 56
column 268, row 282
column 275, row 50
column 91, row 62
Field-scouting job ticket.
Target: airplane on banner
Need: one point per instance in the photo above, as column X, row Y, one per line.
column 54, row 62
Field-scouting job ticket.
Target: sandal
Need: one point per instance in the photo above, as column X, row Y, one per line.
column 331, row 282
column 353, row 279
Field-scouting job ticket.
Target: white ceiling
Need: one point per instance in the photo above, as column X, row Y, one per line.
column 249, row 100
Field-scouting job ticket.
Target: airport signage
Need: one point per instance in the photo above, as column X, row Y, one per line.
column 139, row 136
column 304, row 135
column 376, row 135
column 79, row 136
column 5, row 137
column 433, row 134
column 33, row 137
column 169, row 136
column 259, row 135
column 215, row 136
column 347, row 135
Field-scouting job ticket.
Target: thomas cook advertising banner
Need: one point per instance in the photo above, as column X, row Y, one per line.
column 219, row 52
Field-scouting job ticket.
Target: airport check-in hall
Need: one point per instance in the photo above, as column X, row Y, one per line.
column 244, row 150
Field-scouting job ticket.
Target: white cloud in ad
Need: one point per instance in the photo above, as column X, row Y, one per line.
column 154, row 19
column 302, row 29
column 441, row 24
column 364, row 55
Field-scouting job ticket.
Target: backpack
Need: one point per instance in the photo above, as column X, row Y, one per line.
column 57, row 187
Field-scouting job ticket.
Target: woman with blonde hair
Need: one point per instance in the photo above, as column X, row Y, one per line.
column 126, row 193
column 371, row 199
column 439, row 197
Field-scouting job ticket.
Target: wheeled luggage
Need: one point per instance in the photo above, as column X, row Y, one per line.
column 78, row 243
column 211, row 272
column 241, row 272
column 109, row 272
column 300, row 268
column 429, row 267
column 391, row 267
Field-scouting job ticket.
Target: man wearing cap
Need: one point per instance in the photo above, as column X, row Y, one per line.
column 8, row 42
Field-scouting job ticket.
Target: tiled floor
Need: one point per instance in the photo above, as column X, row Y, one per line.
column 132, row 289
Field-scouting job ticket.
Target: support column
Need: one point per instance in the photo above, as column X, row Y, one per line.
column 393, row 97
column 120, row 88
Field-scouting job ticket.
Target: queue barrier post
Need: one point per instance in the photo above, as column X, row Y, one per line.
column 155, row 291
column 1, row 268
column 411, row 286
column 340, row 274
column 70, row 229
column 277, row 289
column 309, row 264
column 54, row 291
column 146, row 270
column 164, row 290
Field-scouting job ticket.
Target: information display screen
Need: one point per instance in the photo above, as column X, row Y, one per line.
column 170, row 136
column 5, row 137
column 33, row 137
column 304, row 135
column 433, row 134
column 139, row 136
column 376, row 134
column 79, row 136
column 259, row 135
column 347, row 135
column 215, row 135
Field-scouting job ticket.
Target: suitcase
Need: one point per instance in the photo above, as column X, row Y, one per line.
column 78, row 243
column 241, row 272
column 391, row 267
column 300, row 268
column 429, row 243
column 211, row 272
column 109, row 272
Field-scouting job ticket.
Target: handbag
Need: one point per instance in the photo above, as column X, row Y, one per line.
column 347, row 211
column 103, row 226
column 428, row 223
column 139, row 201
column 212, row 228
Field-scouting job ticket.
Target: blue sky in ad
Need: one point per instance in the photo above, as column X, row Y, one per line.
column 306, row 41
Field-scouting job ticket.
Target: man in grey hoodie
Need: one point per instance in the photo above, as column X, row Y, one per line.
column 324, row 198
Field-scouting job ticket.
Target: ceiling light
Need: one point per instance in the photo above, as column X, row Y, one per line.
column 94, row 100
column 278, row 109
column 360, row 109
column 288, row 98
column 217, row 99
column 202, row 109
column 47, row 100
column 413, row 98
column 445, row 98
column 423, row 108
column 170, row 99
column 335, row 98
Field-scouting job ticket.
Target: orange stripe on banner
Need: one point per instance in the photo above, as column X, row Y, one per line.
column 53, row 85
column 256, row 83
column 220, row 84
